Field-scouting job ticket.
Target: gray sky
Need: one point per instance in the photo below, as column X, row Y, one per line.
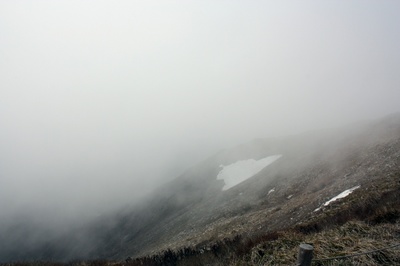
column 100, row 100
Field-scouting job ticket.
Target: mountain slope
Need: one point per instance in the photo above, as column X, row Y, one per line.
column 193, row 210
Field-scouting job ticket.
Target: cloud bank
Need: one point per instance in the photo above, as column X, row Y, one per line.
column 101, row 101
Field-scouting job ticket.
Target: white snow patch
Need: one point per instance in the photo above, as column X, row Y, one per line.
column 341, row 195
column 238, row 172
column 272, row 190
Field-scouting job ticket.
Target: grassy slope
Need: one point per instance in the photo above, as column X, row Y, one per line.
column 270, row 230
column 367, row 219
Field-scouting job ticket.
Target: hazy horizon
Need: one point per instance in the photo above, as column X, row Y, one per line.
column 102, row 101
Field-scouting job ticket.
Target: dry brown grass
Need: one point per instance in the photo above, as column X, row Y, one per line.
column 351, row 238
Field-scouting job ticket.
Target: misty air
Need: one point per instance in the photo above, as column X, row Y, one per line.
column 199, row 132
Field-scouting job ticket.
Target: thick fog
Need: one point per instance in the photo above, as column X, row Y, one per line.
column 102, row 101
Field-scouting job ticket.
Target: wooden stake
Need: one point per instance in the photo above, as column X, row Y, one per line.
column 305, row 255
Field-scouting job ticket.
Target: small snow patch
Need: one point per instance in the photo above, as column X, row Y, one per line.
column 238, row 172
column 341, row 195
column 272, row 190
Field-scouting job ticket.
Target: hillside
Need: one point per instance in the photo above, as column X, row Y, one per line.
column 285, row 203
column 313, row 168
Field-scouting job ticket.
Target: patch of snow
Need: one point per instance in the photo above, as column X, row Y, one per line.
column 289, row 197
column 341, row 195
column 272, row 190
column 238, row 172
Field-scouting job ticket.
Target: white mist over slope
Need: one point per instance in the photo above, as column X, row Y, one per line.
column 101, row 101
